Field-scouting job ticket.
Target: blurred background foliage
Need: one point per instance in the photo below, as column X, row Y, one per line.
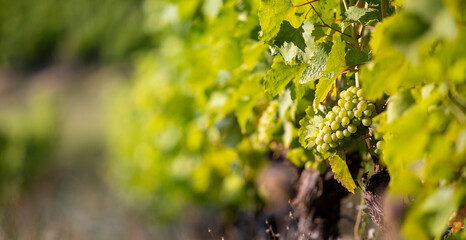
column 173, row 140
column 36, row 33
column 76, row 126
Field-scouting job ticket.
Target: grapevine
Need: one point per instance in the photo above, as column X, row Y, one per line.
column 256, row 84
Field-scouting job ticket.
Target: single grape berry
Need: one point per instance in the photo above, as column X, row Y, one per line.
column 319, row 148
column 346, row 133
column 367, row 113
column 327, row 129
column 352, row 128
column 325, row 147
column 359, row 93
column 362, row 105
column 380, row 145
column 345, row 121
column 335, row 125
column 319, row 140
column 327, row 138
column 339, row 134
column 342, row 114
column 348, row 105
column 366, row 122
column 341, row 102
column 358, row 113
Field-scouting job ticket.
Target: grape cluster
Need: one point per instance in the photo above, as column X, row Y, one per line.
column 343, row 121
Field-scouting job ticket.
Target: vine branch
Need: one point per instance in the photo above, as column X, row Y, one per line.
column 325, row 24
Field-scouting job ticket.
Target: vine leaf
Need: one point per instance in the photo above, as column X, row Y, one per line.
column 363, row 15
column 354, row 57
column 309, row 125
column 273, row 12
column 323, row 87
column 335, row 65
column 342, row 173
column 316, row 64
column 279, row 76
column 295, row 43
column 336, row 59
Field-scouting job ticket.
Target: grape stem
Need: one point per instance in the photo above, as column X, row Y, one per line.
column 355, row 65
column 383, row 8
column 325, row 24
column 304, row 4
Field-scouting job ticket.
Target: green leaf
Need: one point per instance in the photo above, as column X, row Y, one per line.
column 405, row 29
column 295, row 43
column 362, row 15
column 323, row 87
column 342, row 173
column 290, row 34
column 336, row 59
column 246, row 96
column 399, row 103
column 298, row 156
column 309, row 125
column 354, row 57
column 335, row 65
column 279, row 76
column 271, row 15
column 317, row 64
column 273, row 12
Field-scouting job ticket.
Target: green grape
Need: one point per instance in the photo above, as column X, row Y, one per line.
column 350, row 114
column 321, row 125
column 319, row 148
column 355, row 102
column 327, row 138
column 319, row 140
column 325, row 147
column 345, row 121
column 356, row 122
column 348, row 105
column 358, row 113
column 348, row 97
column 342, row 94
column 339, row 134
column 371, row 106
column 320, row 135
column 377, row 151
column 335, row 125
column 362, row 105
column 366, row 122
column 338, row 119
column 331, row 116
column 380, row 145
column 352, row 129
column 367, row 113
column 359, row 93
column 334, row 137
column 336, row 109
column 327, row 129
column 342, row 114
column 346, row 133
column 341, row 102
column 333, row 145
